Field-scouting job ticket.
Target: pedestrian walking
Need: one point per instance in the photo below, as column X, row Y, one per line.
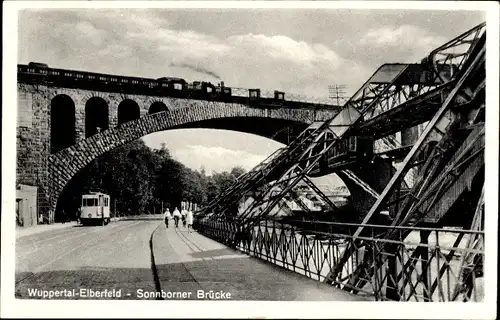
column 168, row 216
column 177, row 216
column 189, row 220
column 183, row 216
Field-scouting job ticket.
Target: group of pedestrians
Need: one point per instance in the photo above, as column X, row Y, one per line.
column 185, row 215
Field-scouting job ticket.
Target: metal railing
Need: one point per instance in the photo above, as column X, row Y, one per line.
column 414, row 264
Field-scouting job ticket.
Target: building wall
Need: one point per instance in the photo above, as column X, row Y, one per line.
column 27, row 205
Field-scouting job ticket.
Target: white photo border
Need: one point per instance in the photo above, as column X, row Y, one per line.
column 11, row 307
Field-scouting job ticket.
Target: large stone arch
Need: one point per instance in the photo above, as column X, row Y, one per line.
column 62, row 123
column 96, row 94
column 60, row 91
column 156, row 107
column 96, row 116
column 128, row 110
column 63, row 165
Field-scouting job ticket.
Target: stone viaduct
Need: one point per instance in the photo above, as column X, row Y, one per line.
column 61, row 130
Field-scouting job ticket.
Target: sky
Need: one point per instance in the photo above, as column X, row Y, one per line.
column 299, row 51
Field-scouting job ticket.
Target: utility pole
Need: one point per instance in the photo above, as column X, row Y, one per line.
column 337, row 92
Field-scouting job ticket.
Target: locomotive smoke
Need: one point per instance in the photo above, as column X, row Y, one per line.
column 197, row 69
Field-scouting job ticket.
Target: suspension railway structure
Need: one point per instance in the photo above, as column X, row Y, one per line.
column 430, row 246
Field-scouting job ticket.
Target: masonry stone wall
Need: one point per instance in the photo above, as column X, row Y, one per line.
column 36, row 166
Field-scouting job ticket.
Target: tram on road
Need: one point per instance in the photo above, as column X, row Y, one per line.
column 95, row 209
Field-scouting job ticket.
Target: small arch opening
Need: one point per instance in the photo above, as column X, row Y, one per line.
column 157, row 106
column 128, row 110
column 62, row 123
column 96, row 116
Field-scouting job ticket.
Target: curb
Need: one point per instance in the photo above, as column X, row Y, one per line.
column 154, row 270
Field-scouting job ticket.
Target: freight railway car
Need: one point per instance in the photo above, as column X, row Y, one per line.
column 40, row 73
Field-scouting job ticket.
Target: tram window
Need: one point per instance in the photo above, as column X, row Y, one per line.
column 177, row 86
column 89, row 202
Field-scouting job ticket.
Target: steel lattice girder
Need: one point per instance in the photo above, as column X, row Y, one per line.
column 436, row 124
column 338, row 126
column 439, row 123
column 259, row 176
column 370, row 94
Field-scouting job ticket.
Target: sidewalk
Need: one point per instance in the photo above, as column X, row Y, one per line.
column 27, row 231
column 22, row 232
column 188, row 262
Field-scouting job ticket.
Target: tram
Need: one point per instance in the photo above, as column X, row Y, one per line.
column 95, row 209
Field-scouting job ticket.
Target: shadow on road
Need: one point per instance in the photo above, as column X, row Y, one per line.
column 246, row 279
column 128, row 280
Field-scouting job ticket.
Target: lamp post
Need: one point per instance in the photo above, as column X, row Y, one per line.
column 337, row 92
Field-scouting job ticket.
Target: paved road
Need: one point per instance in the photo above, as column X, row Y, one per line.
column 116, row 256
column 115, row 261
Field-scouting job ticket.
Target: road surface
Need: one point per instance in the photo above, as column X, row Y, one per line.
column 103, row 260
column 115, row 262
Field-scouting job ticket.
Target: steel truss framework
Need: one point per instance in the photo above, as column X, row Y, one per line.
column 445, row 164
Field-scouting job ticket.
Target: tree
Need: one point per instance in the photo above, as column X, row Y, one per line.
column 237, row 172
column 139, row 180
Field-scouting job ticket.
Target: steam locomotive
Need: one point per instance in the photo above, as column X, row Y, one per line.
column 40, row 73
